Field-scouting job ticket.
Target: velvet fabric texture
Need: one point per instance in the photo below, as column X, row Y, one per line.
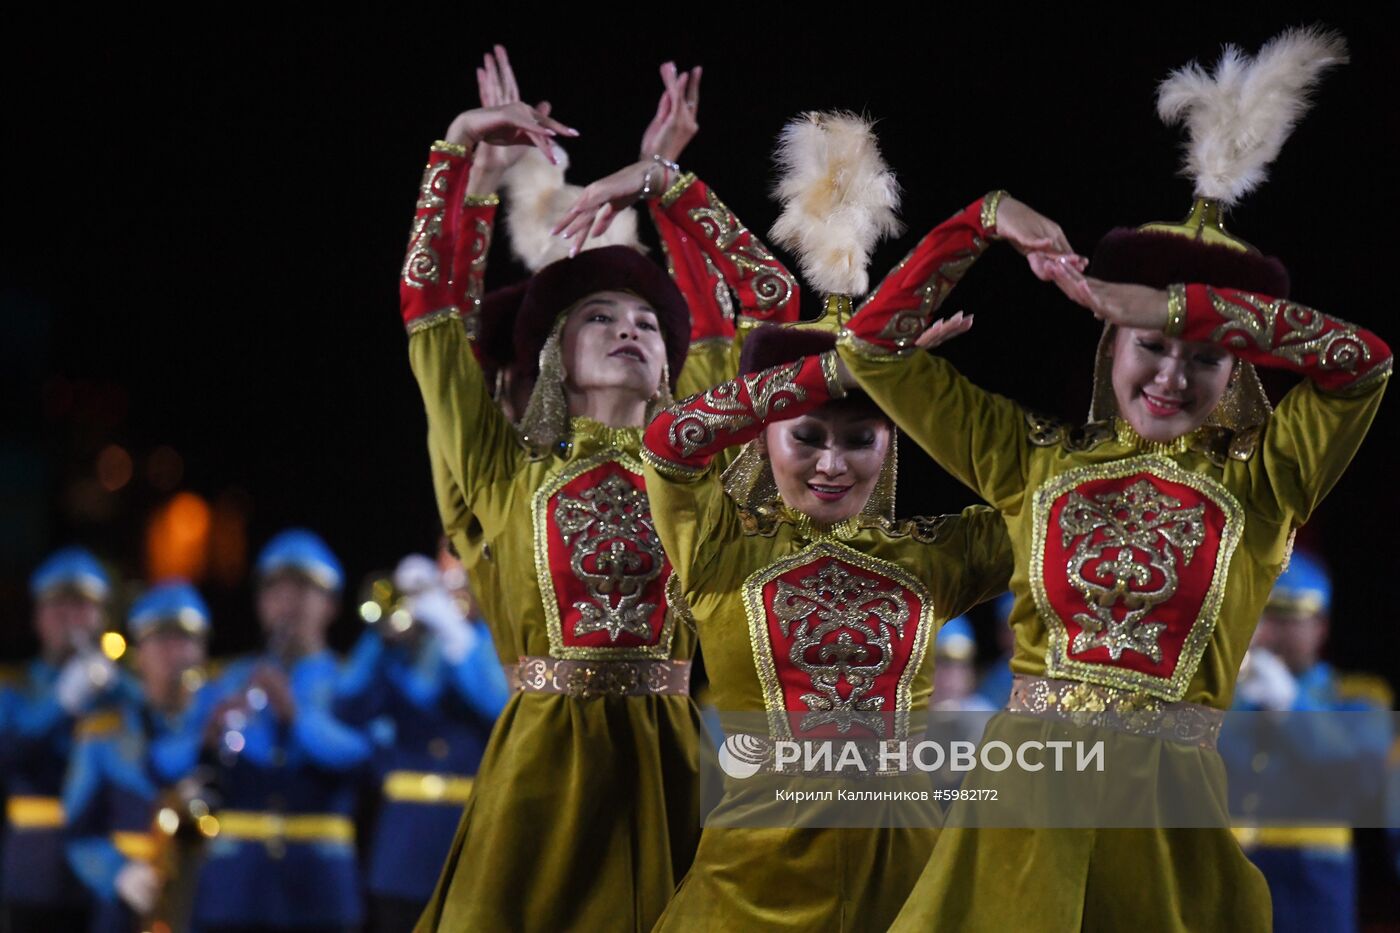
column 1150, row 257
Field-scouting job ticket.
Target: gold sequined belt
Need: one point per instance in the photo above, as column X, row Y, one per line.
column 587, row 679
column 1120, row 710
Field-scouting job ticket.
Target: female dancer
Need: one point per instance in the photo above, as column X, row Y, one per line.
column 584, row 810
column 815, row 608
column 1146, row 543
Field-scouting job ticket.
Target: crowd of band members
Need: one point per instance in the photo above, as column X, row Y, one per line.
column 173, row 793
column 154, row 790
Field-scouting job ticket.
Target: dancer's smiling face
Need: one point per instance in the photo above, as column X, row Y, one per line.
column 1166, row 387
column 827, row 463
column 612, row 340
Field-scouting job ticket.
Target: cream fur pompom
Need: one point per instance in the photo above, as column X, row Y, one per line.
column 838, row 197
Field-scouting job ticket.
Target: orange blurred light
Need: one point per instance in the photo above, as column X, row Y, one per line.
column 177, row 539
column 113, row 468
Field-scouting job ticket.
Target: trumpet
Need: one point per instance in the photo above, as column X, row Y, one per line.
column 385, row 606
column 182, row 827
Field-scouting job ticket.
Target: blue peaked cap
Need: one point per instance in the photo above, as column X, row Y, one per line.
column 1305, row 587
column 174, row 603
column 302, row 551
column 71, row 568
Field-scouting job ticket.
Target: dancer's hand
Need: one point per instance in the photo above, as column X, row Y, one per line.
column 1029, row 231
column 601, row 202
column 941, row 331
column 1117, row 303
column 513, row 124
column 496, row 85
column 936, row 334
column 674, row 125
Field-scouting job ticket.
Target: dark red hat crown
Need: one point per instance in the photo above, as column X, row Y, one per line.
column 561, row 284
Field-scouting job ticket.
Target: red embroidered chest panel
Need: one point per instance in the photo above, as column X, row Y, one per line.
column 601, row 568
column 838, row 638
column 1130, row 560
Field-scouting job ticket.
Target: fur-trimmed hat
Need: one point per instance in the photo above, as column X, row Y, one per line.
column 1237, row 119
column 496, row 334
column 560, row 285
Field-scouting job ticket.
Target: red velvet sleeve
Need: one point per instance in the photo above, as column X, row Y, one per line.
column 445, row 265
column 471, row 244
column 1336, row 356
column 705, row 291
column 682, row 440
column 902, row 306
column 767, row 291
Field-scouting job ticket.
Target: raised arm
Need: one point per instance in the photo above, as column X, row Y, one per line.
column 708, row 250
column 693, row 515
column 1319, row 425
column 978, row 437
column 476, row 442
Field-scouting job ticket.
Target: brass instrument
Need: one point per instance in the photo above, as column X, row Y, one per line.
column 182, row 825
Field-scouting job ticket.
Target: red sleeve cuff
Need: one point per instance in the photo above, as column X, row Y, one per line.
column 683, row 439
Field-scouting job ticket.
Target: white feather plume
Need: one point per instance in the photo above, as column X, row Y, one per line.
column 536, row 197
column 838, row 196
column 1239, row 116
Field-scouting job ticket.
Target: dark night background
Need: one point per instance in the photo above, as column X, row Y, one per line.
column 203, row 226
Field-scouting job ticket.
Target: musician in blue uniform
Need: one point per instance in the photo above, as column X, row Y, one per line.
column 69, row 679
column 954, row 670
column 1311, row 869
column 286, row 769
column 118, row 767
column 995, row 686
column 425, row 681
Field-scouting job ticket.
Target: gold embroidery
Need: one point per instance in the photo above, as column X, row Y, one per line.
column 1043, row 431
column 811, row 530
column 725, row 409
column 452, row 149
column 433, row 319
column 1126, row 572
column 677, row 604
column 990, row 203
column 762, row 521
column 723, row 297
column 678, row 188
column 1243, row 443
column 597, row 527
column 905, row 325
column 829, row 617
column 1216, row 443
column 1128, row 436
column 924, row 529
column 1366, row 381
column 772, row 284
column 481, row 200
column 476, row 275
column 1140, row 519
column 422, row 265
column 832, row 374
column 609, row 518
column 671, row 470
column 585, row 680
column 1253, row 320
column 1176, row 310
column 1110, row 708
column 871, row 352
column 833, row 601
